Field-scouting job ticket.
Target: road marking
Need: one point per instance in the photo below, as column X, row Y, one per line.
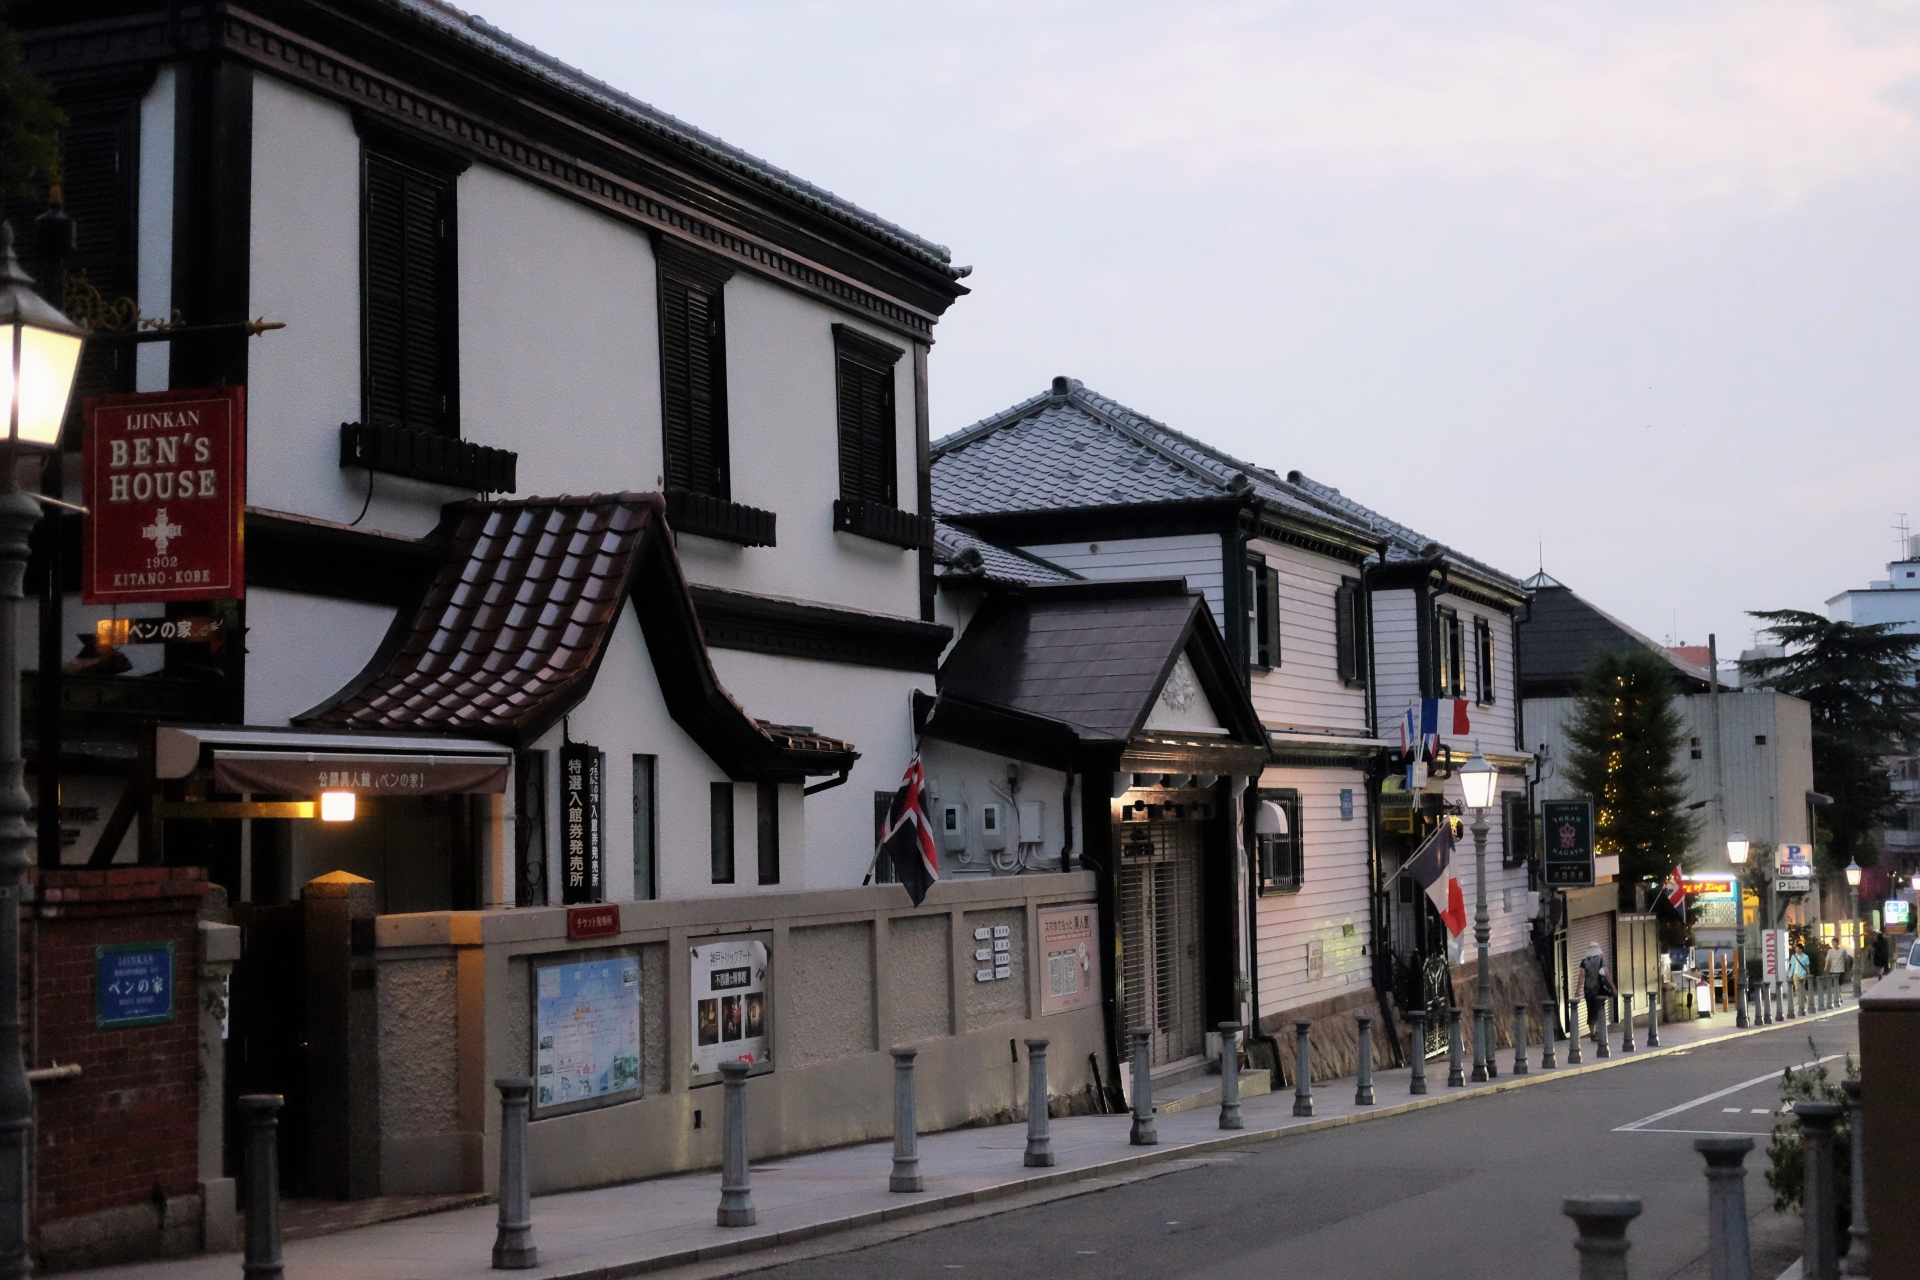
column 1733, row 1111
column 1761, row 1111
column 1640, row 1124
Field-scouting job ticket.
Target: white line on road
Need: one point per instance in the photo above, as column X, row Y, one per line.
column 1716, row 1096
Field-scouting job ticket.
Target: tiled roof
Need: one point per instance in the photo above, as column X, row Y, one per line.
column 962, row 553
column 1403, row 544
column 1563, row 633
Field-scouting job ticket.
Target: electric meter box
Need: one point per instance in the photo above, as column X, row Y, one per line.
column 993, row 826
column 1030, row 833
column 953, row 828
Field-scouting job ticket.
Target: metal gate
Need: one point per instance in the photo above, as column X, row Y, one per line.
column 1580, row 934
column 1436, row 984
column 1160, row 935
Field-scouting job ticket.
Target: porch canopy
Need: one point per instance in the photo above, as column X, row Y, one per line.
column 292, row 762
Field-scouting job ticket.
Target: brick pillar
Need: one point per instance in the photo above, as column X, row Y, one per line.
column 343, row 1115
column 220, row 1224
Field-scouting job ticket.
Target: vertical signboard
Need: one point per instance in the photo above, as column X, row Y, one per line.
column 1566, row 859
column 163, row 480
column 582, row 825
column 729, row 981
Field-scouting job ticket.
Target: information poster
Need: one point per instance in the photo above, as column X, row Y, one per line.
column 730, row 1004
column 1566, row 860
column 586, row 1030
column 1069, row 959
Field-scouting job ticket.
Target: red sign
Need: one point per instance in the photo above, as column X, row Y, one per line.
column 164, row 480
column 599, row 921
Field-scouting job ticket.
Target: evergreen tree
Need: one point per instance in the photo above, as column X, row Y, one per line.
column 30, row 127
column 1624, row 740
column 1859, row 683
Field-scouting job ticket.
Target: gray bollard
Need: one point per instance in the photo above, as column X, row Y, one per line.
column 513, row 1239
column 1230, row 1075
column 1856, row 1260
column 1039, row 1123
column 1729, row 1253
column 1482, row 1046
column 1143, row 1134
column 736, row 1196
column 1302, row 1068
column 1626, row 1023
column 1820, row 1246
column 1520, row 1039
column 1456, row 1076
column 1653, row 1019
column 263, row 1185
column 1549, row 1016
column 906, row 1125
column 1605, row 1049
column 1792, row 1000
column 1573, row 1033
column 1417, row 1050
column 1602, row 1243
column 1363, row 1091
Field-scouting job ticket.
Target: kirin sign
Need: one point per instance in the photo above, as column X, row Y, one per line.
column 164, row 479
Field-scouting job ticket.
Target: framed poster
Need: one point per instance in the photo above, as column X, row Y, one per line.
column 1069, row 959
column 1566, row 858
column 730, row 1009
column 586, row 1030
column 583, row 832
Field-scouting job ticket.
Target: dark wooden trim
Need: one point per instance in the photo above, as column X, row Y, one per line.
column 923, row 473
column 882, row 523
column 1438, row 576
column 690, row 264
column 711, row 517
column 316, row 557
column 819, row 633
column 1001, row 731
column 212, row 220
column 852, row 343
column 1275, row 526
column 1107, row 523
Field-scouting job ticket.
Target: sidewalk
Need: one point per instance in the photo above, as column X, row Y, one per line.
column 666, row 1222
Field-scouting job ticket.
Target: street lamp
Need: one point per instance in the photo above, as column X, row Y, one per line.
column 1477, row 782
column 36, row 377
column 1853, row 895
column 1737, row 850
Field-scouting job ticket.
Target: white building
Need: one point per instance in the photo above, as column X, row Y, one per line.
column 1893, row 600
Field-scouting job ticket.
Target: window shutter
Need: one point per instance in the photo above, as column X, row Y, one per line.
column 1345, row 632
column 1483, row 661
column 867, row 420
column 1270, row 606
column 693, row 370
column 412, row 341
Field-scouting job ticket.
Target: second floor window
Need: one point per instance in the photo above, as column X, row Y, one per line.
column 1483, row 662
column 1449, row 655
column 1350, row 632
column 1280, row 860
column 410, row 328
column 863, row 381
column 693, row 370
column 1263, row 614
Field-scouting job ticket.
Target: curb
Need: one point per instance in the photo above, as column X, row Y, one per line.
column 1233, row 1141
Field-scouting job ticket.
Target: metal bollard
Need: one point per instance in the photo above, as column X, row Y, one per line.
column 1417, row 1050
column 1729, row 1253
column 1230, row 1075
column 1363, row 1091
column 1482, row 1045
column 1456, row 1077
column 1602, row 1243
column 1039, row 1123
column 263, row 1185
column 513, row 1239
column 1549, row 1018
column 1600, row 1034
column 1793, row 999
column 1653, row 1019
column 1520, row 1039
column 906, row 1125
column 736, row 1196
column 1302, row 1068
column 1820, row 1247
column 1573, row 1033
column 1143, row 1134
column 1856, row 1261
column 1626, row 1023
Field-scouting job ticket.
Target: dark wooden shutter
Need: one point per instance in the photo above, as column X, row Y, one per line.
column 1483, row 661
column 1263, row 613
column 1346, row 631
column 411, row 324
column 867, row 421
column 100, row 152
column 693, row 371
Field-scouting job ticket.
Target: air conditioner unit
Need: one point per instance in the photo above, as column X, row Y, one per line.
column 993, row 826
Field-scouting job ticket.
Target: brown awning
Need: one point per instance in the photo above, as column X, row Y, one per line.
column 302, row 773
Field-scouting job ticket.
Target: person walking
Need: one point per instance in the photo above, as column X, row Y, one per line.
column 1797, row 969
column 1596, row 984
column 1882, row 955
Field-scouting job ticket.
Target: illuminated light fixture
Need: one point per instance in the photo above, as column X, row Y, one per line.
column 1270, row 820
column 1737, row 847
column 1478, row 780
column 42, row 355
column 110, row 633
column 1853, row 872
column 336, row 806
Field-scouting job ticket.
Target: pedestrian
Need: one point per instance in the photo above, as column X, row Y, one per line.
column 1797, row 969
column 1596, row 984
column 1882, row 955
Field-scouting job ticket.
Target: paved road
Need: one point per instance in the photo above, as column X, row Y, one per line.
column 1465, row 1190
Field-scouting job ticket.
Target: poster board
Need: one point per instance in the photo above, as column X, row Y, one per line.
column 586, row 1031
column 1069, row 959
column 730, row 1004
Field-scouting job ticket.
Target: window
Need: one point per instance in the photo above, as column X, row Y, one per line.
column 768, row 801
column 882, row 867
column 1483, row 662
column 720, row 823
column 1449, row 655
column 646, row 883
column 410, row 324
column 530, row 829
column 1350, row 632
column 864, row 381
column 1263, row 613
column 1516, row 828
column 693, row 369
column 1280, row 858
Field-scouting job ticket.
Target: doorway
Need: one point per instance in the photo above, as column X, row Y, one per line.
column 1160, row 935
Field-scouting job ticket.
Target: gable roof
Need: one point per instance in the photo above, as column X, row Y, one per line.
column 1403, row 545
column 1562, row 633
column 967, row 558
column 508, row 636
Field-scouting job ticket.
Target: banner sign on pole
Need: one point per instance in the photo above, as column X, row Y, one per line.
column 163, row 478
column 582, row 827
column 1566, row 859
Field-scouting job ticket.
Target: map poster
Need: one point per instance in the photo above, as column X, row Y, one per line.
column 730, row 1012
column 1069, row 955
column 586, row 1030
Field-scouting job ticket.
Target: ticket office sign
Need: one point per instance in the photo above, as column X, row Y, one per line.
column 163, row 478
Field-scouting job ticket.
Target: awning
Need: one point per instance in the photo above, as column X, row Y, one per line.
column 302, row 773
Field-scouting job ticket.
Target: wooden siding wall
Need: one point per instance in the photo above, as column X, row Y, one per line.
column 1396, row 657
column 1510, row 906
column 1333, row 895
column 1492, row 725
column 1305, row 690
column 1194, row 556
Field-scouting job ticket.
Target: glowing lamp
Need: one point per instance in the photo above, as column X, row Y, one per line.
column 42, row 356
column 336, row 806
column 1477, row 781
column 1853, row 872
column 1737, row 847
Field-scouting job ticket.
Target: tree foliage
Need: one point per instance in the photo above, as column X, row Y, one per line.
column 29, row 127
column 1858, row 682
column 1624, row 743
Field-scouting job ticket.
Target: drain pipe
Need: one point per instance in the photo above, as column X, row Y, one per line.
column 1249, row 799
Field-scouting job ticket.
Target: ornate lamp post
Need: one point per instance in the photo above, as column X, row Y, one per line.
column 36, row 379
column 1477, row 782
column 1859, row 939
column 1737, row 848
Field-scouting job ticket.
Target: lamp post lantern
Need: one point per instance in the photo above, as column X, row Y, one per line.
column 1478, row 780
column 1859, row 939
column 36, row 378
column 1737, row 849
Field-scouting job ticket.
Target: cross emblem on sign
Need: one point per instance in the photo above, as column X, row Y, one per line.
column 162, row 531
column 1566, row 835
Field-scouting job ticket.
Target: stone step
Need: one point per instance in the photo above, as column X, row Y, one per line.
column 1206, row 1092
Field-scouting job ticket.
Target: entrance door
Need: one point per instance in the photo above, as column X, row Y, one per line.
column 1160, row 935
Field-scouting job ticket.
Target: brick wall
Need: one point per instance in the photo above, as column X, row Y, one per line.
column 126, row 1130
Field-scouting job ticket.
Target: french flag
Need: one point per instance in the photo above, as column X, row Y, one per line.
column 1433, row 866
column 1430, row 719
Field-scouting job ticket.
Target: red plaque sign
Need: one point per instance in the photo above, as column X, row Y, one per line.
column 599, row 921
column 164, row 480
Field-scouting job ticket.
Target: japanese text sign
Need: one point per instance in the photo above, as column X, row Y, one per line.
column 580, row 822
column 163, row 480
column 133, row 984
column 1566, row 855
column 1070, row 956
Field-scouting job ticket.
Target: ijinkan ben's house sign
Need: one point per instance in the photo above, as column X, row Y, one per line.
column 164, row 478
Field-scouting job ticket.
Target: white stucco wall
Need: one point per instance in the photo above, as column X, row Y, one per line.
column 302, row 649
column 969, row 778
column 154, row 219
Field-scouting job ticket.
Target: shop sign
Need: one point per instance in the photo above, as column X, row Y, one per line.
column 586, row 1030
column 163, row 478
column 1711, row 898
column 1566, row 860
column 599, row 921
column 304, row 773
column 1795, row 862
column 1897, row 913
column 1785, row 885
column 132, row 984
column 1069, row 955
column 1770, row 952
column 729, row 981
column 581, row 822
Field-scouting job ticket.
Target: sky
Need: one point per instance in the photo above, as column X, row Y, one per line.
column 1627, row 290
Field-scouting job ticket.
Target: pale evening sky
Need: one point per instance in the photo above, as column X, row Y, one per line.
column 1636, row 281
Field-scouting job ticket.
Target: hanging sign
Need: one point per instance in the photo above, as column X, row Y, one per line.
column 581, row 825
column 1566, row 861
column 1795, row 862
column 729, row 979
column 163, row 478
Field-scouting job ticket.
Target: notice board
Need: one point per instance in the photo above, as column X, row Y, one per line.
column 586, row 1030
column 1069, row 959
column 730, row 1011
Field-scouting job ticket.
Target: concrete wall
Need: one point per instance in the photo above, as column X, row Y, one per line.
column 852, row 971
